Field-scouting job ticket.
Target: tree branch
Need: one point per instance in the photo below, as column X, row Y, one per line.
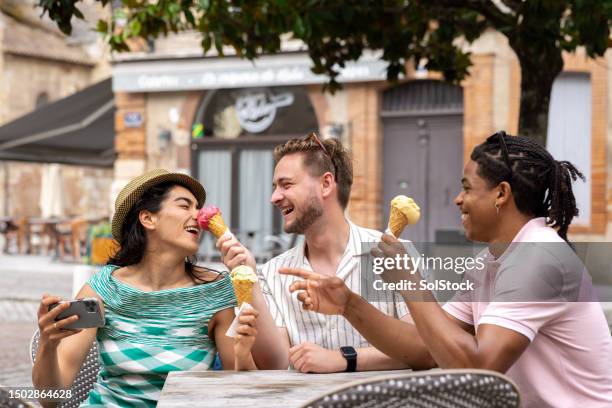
column 504, row 7
column 513, row 5
column 495, row 16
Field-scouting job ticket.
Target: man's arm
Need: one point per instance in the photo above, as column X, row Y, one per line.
column 440, row 339
column 372, row 359
column 451, row 346
column 271, row 348
column 397, row 339
column 312, row 358
column 493, row 347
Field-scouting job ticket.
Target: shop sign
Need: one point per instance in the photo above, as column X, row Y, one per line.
column 132, row 119
column 257, row 110
column 229, row 72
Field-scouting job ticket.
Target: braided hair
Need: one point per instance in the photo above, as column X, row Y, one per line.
column 541, row 185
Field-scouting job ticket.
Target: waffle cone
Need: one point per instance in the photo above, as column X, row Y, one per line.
column 217, row 226
column 397, row 221
column 244, row 291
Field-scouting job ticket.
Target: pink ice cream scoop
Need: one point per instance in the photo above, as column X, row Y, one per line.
column 210, row 219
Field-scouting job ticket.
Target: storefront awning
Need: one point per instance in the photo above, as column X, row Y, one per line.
column 79, row 129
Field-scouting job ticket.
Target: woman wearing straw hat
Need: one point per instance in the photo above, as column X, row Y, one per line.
column 161, row 312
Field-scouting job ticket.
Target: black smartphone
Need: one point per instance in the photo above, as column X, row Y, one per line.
column 89, row 312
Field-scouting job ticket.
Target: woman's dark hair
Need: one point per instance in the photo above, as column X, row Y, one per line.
column 133, row 236
column 541, row 185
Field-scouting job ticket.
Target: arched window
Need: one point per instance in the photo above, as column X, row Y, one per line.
column 234, row 134
column 230, row 113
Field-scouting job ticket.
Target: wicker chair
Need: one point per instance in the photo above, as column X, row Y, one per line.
column 85, row 378
column 430, row 389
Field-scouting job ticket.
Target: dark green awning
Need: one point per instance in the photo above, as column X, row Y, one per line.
column 78, row 129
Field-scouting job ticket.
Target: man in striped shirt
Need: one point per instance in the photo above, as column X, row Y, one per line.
column 312, row 184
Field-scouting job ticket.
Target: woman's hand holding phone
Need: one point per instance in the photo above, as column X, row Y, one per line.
column 58, row 319
column 52, row 331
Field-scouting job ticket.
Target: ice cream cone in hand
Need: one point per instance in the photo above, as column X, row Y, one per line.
column 243, row 279
column 210, row 219
column 404, row 211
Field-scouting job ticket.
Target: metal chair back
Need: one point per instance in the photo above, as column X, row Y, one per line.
column 85, row 379
column 428, row 389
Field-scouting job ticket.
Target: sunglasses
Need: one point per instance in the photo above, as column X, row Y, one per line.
column 315, row 137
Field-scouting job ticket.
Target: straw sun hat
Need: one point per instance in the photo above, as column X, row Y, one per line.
column 136, row 188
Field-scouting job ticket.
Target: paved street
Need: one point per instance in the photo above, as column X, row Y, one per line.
column 23, row 279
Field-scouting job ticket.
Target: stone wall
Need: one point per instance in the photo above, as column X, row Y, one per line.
column 23, row 79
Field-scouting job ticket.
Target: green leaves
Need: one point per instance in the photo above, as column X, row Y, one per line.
column 102, row 27
column 338, row 31
column 588, row 24
column 206, row 42
column 299, row 29
column 61, row 11
column 134, row 28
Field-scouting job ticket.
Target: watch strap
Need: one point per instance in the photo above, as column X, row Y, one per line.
column 350, row 357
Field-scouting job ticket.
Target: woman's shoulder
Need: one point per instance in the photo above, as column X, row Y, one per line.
column 100, row 279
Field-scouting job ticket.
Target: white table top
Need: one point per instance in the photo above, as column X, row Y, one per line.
column 266, row 388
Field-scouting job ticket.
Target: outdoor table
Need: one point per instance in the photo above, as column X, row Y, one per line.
column 6, row 225
column 265, row 388
column 46, row 227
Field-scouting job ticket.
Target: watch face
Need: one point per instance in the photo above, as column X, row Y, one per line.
column 348, row 351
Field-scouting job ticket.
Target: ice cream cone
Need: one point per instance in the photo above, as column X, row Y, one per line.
column 217, row 226
column 243, row 278
column 397, row 222
column 210, row 219
column 404, row 211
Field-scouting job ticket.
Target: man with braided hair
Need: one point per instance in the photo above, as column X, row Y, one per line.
column 533, row 314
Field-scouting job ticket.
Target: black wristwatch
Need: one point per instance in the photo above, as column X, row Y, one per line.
column 350, row 354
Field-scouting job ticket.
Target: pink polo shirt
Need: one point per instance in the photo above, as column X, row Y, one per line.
column 568, row 362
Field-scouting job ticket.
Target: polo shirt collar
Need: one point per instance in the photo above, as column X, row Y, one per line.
column 532, row 224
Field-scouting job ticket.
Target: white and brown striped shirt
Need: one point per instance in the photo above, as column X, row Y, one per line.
column 330, row 332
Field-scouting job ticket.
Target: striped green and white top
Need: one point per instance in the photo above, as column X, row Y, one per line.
column 149, row 334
